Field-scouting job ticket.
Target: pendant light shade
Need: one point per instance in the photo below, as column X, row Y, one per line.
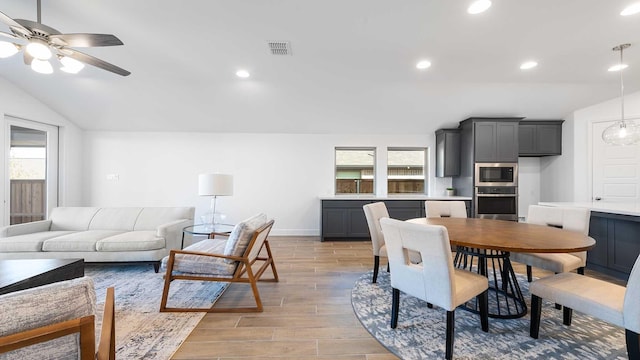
column 622, row 132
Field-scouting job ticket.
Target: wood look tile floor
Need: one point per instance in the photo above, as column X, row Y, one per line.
column 307, row 315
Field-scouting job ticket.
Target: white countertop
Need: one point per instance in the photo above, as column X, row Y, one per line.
column 392, row 197
column 622, row 208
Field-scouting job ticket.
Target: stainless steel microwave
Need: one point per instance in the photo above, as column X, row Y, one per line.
column 496, row 174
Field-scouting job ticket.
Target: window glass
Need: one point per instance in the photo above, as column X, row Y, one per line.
column 405, row 170
column 355, row 169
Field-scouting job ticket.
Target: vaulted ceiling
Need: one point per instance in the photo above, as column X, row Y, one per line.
column 352, row 68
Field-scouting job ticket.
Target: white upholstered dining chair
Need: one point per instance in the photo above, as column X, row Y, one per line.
column 373, row 213
column 434, row 280
column 567, row 218
column 436, row 208
column 609, row 302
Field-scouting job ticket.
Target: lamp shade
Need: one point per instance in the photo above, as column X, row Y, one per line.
column 215, row 184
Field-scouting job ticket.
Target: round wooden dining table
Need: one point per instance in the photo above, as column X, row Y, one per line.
column 485, row 244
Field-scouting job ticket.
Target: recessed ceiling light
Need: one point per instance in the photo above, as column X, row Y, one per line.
column 528, row 65
column 423, row 64
column 631, row 10
column 243, row 74
column 618, row 67
column 479, row 6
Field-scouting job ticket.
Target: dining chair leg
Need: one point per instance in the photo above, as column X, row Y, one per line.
column 633, row 344
column 450, row 334
column 430, row 305
column 395, row 306
column 529, row 274
column 566, row 316
column 483, row 302
column 536, row 309
column 376, row 265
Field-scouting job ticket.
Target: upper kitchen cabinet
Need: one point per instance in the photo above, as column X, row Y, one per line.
column 447, row 152
column 540, row 137
column 495, row 139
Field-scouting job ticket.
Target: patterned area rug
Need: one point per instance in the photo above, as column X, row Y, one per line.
column 142, row 332
column 421, row 331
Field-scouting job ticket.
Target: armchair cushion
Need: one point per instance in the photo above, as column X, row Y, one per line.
column 241, row 235
column 46, row 305
column 198, row 264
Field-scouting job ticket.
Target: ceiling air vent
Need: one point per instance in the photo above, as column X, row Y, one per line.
column 280, row 47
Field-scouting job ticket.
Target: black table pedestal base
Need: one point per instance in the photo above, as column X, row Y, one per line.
column 505, row 297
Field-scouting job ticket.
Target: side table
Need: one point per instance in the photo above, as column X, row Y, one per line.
column 210, row 230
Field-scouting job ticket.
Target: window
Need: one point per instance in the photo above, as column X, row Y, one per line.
column 355, row 169
column 405, row 170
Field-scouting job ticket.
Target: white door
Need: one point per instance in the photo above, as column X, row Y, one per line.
column 31, row 170
column 615, row 169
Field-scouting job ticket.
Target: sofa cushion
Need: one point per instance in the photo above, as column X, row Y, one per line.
column 242, row 234
column 131, row 241
column 152, row 217
column 45, row 305
column 79, row 241
column 72, row 218
column 195, row 264
column 122, row 219
column 29, row 242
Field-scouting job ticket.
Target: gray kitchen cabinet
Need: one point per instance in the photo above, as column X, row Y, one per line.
column 495, row 141
column 617, row 243
column 447, row 152
column 345, row 220
column 540, row 138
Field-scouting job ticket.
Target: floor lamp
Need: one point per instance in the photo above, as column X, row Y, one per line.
column 214, row 185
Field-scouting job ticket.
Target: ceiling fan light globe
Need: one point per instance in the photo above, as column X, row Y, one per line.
column 71, row 65
column 39, row 49
column 8, row 49
column 41, row 66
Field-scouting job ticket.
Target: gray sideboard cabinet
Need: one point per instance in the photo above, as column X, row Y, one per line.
column 540, row 137
column 447, row 152
column 617, row 243
column 345, row 220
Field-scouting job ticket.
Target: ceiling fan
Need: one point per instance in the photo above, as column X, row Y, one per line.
column 44, row 42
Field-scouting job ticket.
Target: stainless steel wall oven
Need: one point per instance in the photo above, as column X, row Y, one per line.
column 496, row 202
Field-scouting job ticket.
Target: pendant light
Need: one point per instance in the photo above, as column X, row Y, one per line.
column 622, row 132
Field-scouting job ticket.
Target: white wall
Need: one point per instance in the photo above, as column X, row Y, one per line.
column 528, row 183
column 279, row 174
column 16, row 103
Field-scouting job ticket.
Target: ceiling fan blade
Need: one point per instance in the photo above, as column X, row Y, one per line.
column 85, row 40
column 15, row 26
column 88, row 59
column 8, row 35
column 27, row 58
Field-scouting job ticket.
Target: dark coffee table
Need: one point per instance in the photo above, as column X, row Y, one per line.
column 24, row 274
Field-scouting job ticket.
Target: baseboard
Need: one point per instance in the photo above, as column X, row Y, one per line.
column 295, row 232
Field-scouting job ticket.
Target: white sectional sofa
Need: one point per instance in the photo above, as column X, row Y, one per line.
column 127, row 234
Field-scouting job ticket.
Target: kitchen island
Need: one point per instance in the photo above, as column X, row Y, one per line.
column 616, row 229
column 342, row 217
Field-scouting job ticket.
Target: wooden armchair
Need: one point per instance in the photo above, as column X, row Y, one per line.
column 44, row 316
column 208, row 261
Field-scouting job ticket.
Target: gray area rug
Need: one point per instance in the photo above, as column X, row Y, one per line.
column 421, row 331
column 142, row 331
